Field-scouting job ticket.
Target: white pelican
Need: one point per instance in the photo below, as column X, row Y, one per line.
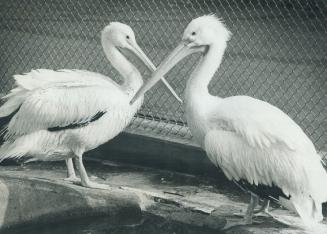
column 56, row 115
column 254, row 143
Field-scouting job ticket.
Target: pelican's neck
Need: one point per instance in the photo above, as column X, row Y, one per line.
column 132, row 79
column 197, row 85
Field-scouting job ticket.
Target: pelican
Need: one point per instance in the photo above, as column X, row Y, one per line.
column 253, row 142
column 57, row 115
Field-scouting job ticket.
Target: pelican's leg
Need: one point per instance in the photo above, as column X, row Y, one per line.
column 85, row 181
column 254, row 200
column 253, row 203
column 247, row 219
column 71, row 175
column 264, row 208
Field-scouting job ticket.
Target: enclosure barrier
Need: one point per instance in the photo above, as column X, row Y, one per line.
column 278, row 51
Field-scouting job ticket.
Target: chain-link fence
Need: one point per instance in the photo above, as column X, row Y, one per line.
column 278, row 51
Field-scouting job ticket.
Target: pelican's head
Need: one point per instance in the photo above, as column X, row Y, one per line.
column 204, row 31
column 199, row 35
column 121, row 36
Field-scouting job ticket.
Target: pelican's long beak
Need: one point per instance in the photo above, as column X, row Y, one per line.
column 180, row 52
column 138, row 51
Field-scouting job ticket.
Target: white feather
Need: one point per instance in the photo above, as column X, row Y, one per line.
column 247, row 138
column 64, row 97
column 48, row 100
column 12, row 104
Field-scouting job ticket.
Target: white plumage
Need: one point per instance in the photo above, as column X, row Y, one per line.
column 249, row 139
column 72, row 97
column 62, row 114
column 258, row 142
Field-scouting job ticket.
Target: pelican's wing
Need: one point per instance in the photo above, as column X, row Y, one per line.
column 44, row 78
column 258, row 122
column 254, row 141
column 62, row 107
column 47, row 78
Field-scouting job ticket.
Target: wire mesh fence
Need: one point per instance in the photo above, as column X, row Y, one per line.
column 278, row 51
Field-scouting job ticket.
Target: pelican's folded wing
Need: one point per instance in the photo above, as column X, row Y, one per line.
column 48, row 78
column 259, row 123
column 59, row 108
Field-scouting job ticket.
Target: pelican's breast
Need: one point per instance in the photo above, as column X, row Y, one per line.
column 196, row 113
column 105, row 125
column 114, row 121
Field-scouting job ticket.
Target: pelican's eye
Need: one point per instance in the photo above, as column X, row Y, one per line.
column 193, row 33
column 127, row 37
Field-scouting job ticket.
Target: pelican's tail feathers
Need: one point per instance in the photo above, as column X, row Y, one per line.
column 12, row 150
column 7, row 112
column 309, row 210
column 316, row 178
column 317, row 212
column 11, row 106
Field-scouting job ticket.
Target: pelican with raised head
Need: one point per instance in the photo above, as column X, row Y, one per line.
column 253, row 142
column 57, row 115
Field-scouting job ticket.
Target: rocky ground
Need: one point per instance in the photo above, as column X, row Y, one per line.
column 139, row 200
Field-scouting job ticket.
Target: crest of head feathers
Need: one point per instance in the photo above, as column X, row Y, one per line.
column 213, row 22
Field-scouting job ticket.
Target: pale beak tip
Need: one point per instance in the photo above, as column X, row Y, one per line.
column 132, row 101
